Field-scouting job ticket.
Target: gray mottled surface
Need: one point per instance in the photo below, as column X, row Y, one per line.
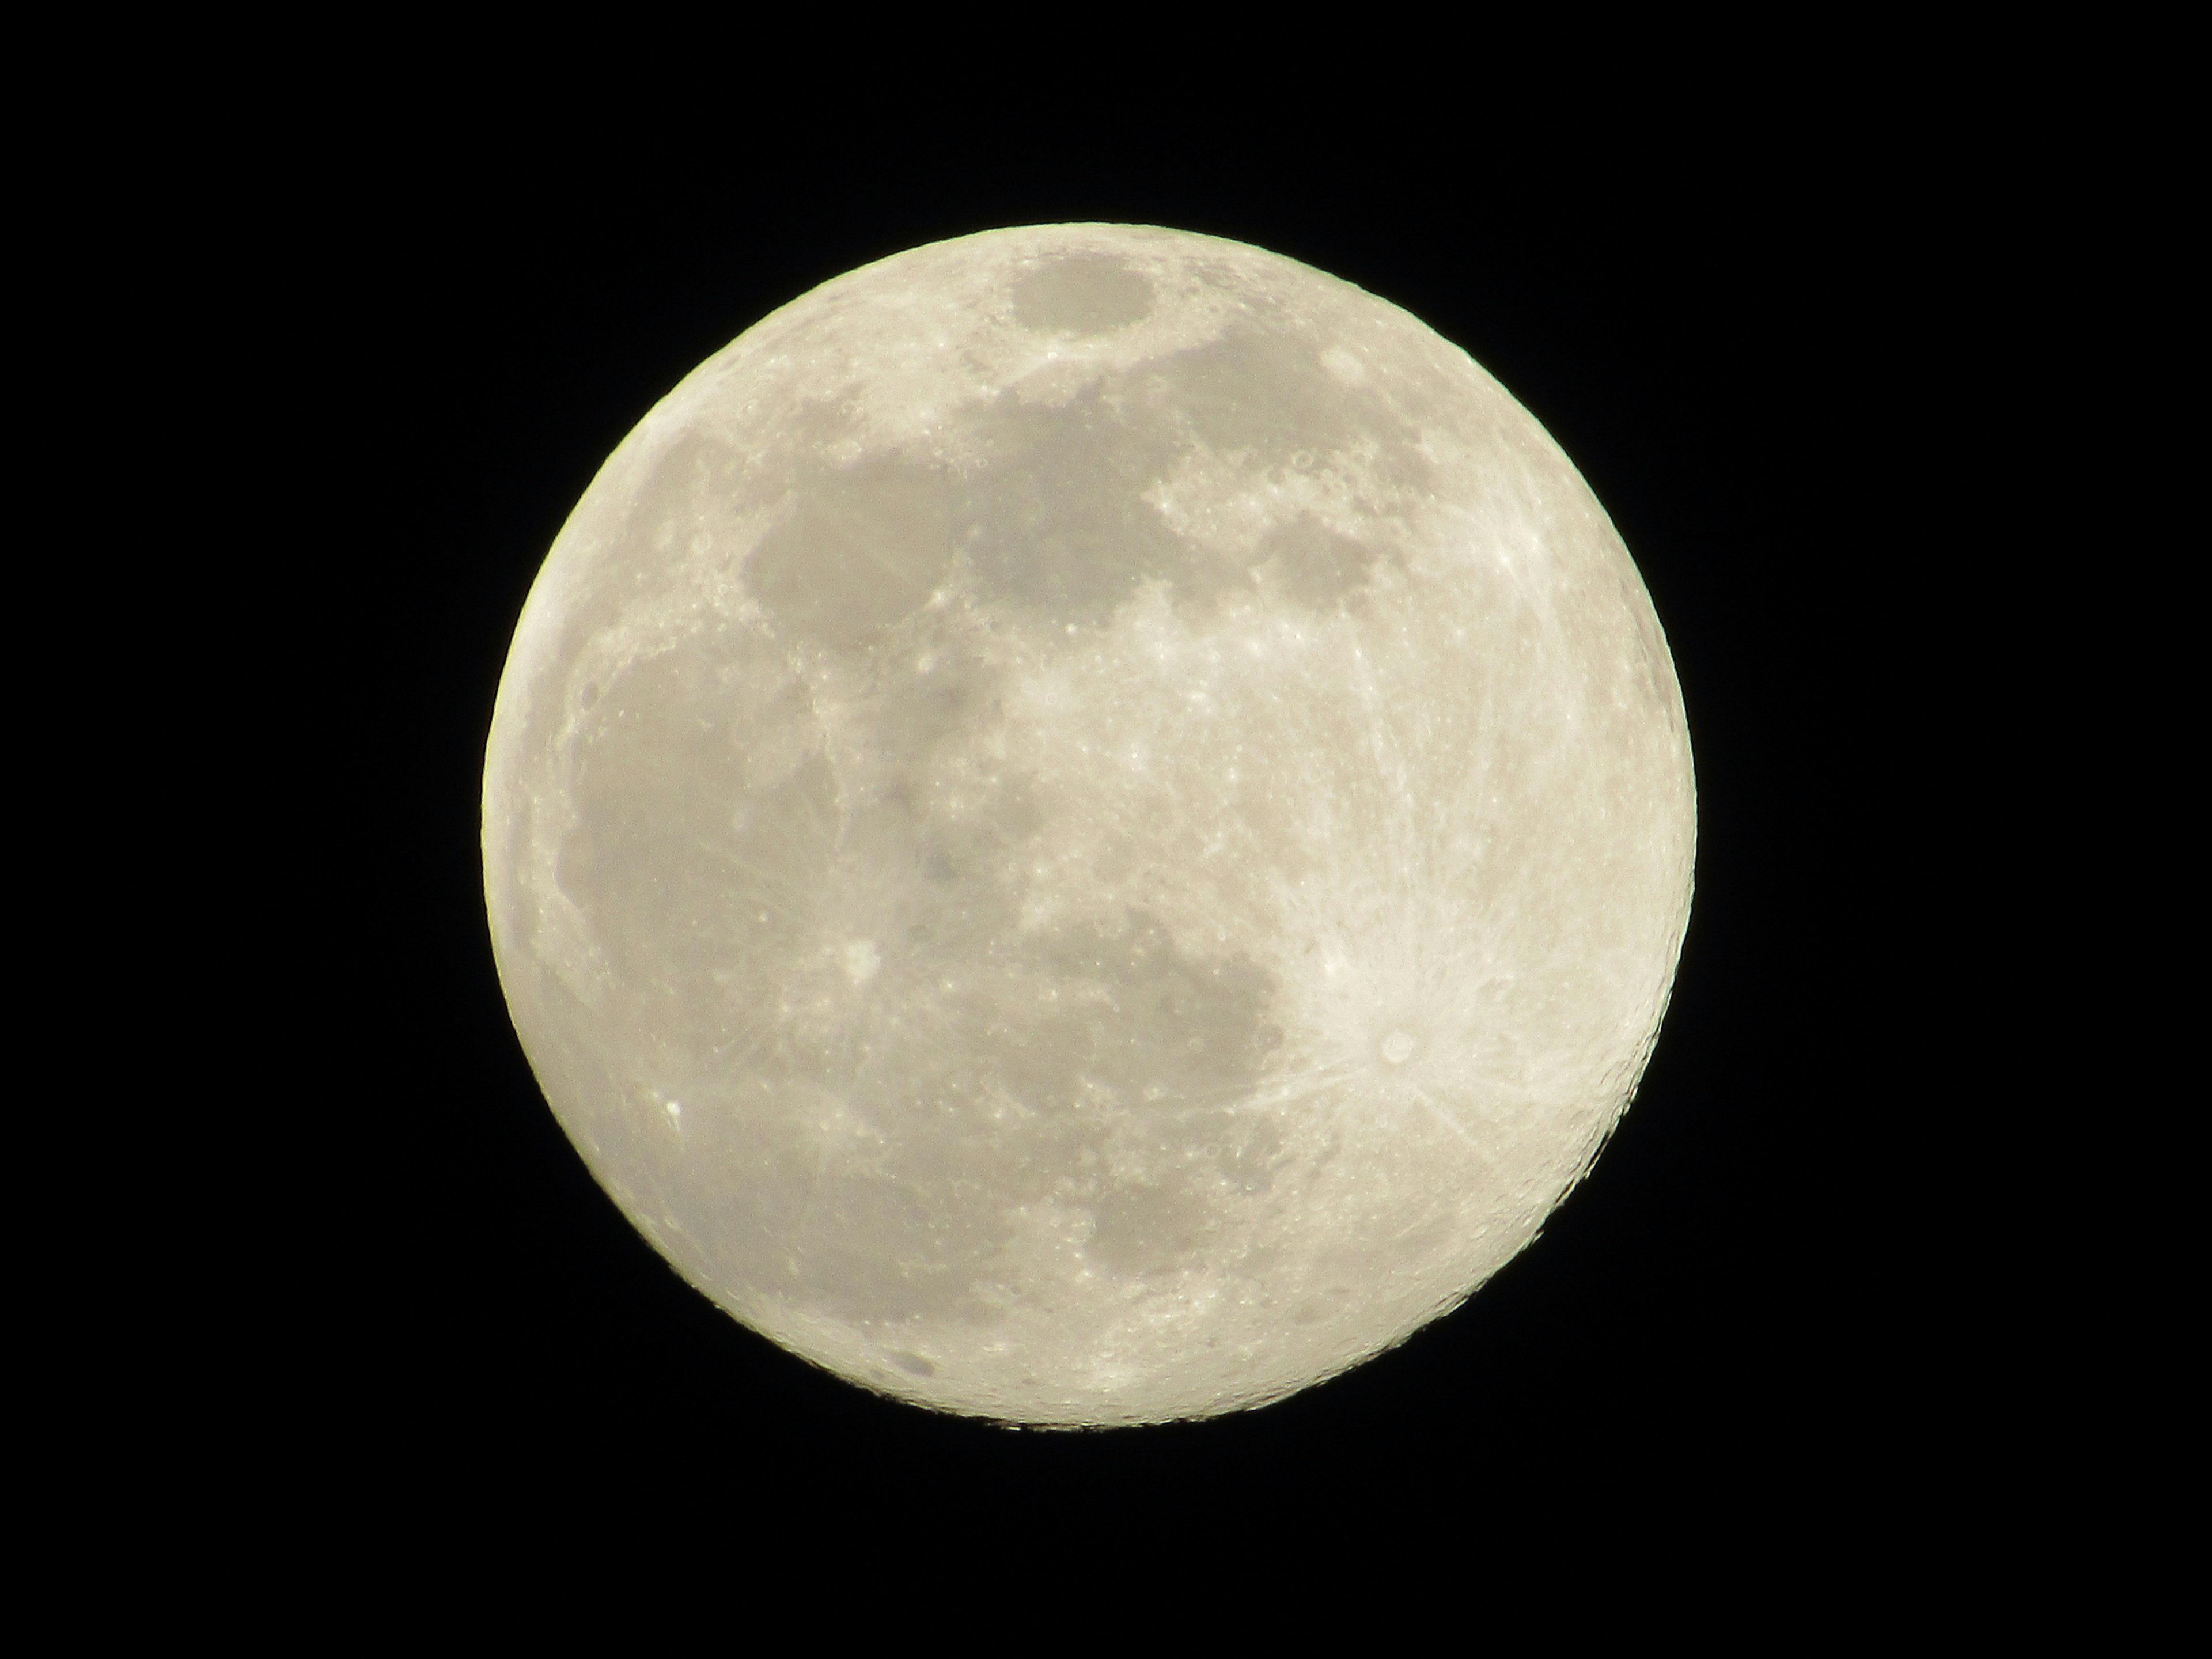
column 1088, row 825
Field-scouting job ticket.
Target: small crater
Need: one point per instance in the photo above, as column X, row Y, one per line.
column 1398, row 1047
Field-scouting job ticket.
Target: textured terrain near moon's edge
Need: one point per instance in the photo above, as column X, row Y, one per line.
column 1088, row 825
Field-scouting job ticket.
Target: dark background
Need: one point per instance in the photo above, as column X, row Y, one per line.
column 1733, row 321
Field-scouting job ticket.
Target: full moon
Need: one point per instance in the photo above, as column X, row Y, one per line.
column 1088, row 825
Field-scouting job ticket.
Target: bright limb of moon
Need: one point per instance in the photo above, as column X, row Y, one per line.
column 1088, row 825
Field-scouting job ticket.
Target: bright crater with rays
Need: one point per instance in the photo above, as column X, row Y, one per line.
column 1088, row 825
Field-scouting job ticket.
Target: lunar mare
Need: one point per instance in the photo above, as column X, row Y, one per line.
column 1088, row 825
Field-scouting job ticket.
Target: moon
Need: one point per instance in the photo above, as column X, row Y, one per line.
column 1088, row 825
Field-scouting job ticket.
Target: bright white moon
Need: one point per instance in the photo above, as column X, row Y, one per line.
column 1088, row 825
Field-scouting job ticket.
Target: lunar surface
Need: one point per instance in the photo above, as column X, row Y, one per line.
column 1088, row 825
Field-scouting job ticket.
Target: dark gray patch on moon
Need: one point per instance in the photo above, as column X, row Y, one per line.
column 701, row 799
column 1308, row 562
column 1259, row 392
column 1049, row 516
column 864, row 546
column 1055, row 519
column 1086, row 294
column 1141, row 1227
column 1137, row 1023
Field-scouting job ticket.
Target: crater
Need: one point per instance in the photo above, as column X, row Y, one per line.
column 1087, row 294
